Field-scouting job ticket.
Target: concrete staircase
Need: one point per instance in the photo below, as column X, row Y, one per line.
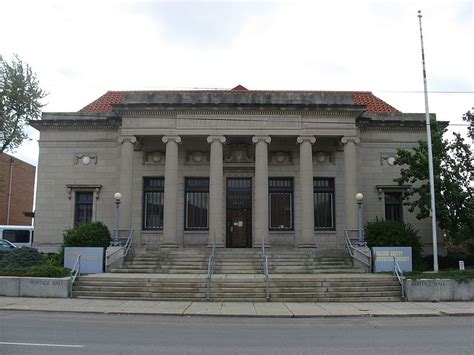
column 295, row 276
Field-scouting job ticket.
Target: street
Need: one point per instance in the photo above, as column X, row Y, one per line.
column 23, row 332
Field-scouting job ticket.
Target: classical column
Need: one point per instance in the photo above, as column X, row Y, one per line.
column 261, row 189
column 216, row 192
column 350, row 180
column 126, row 181
column 170, row 215
column 306, row 239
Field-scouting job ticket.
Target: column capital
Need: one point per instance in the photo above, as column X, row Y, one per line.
column 211, row 139
column 345, row 140
column 302, row 139
column 265, row 139
column 131, row 139
column 167, row 139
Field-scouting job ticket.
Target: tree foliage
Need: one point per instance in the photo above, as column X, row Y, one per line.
column 469, row 118
column 453, row 170
column 20, row 101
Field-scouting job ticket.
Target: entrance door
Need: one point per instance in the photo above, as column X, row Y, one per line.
column 239, row 213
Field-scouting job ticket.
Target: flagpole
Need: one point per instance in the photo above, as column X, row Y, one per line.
column 430, row 157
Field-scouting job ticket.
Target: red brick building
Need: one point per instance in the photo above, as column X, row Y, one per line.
column 17, row 182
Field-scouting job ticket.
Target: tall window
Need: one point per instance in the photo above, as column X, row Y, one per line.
column 281, row 203
column 324, row 203
column 153, row 197
column 197, row 203
column 83, row 207
column 393, row 206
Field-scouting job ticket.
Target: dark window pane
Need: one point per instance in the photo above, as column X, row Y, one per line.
column 16, row 236
column 197, row 203
column 324, row 203
column 393, row 206
column 83, row 208
column 153, row 198
column 281, row 203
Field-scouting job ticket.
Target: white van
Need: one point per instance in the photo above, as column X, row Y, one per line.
column 21, row 236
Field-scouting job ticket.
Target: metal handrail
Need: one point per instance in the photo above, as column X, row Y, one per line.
column 265, row 268
column 210, row 269
column 397, row 271
column 125, row 249
column 351, row 249
column 128, row 244
column 76, row 269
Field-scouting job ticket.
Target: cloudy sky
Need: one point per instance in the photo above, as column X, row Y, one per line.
column 81, row 48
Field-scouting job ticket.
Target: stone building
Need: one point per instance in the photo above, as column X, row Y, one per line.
column 17, row 184
column 231, row 165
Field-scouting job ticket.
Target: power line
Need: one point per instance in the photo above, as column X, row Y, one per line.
column 421, row 92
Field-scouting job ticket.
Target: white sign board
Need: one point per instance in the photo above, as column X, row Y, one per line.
column 383, row 258
column 92, row 259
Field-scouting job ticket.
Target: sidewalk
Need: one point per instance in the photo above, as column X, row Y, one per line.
column 240, row 309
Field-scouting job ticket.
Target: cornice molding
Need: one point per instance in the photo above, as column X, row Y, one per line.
column 171, row 112
column 109, row 124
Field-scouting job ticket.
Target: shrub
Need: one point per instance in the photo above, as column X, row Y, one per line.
column 47, row 270
column 88, row 235
column 55, row 259
column 383, row 233
column 20, row 259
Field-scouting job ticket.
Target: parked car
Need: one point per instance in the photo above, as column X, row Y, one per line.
column 6, row 247
column 21, row 236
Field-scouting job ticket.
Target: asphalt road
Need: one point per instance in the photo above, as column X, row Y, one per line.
column 23, row 332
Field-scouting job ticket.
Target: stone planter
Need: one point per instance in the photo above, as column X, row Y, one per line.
column 439, row 290
column 34, row 286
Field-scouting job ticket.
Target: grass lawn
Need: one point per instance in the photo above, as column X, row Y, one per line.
column 454, row 274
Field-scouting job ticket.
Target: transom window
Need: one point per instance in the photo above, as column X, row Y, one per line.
column 280, row 203
column 153, row 198
column 197, row 203
column 84, row 201
column 324, row 203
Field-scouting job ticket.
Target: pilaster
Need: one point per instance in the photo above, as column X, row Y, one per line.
column 126, row 180
column 350, row 180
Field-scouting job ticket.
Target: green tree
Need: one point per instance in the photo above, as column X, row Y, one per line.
column 20, row 101
column 469, row 118
column 453, row 170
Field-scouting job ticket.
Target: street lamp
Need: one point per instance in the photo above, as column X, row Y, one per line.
column 117, row 197
column 359, row 197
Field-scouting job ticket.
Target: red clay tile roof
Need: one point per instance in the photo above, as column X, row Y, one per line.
column 239, row 88
column 367, row 98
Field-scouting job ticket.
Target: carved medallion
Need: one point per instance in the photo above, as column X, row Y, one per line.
column 239, row 153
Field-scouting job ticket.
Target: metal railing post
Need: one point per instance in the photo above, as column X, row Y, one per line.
column 210, row 269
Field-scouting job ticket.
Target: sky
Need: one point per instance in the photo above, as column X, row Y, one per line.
column 80, row 49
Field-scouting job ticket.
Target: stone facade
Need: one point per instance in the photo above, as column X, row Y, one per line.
column 17, row 182
column 121, row 139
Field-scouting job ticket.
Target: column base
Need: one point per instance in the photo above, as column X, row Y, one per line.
column 218, row 245
column 307, row 246
column 169, row 245
column 259, row 245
